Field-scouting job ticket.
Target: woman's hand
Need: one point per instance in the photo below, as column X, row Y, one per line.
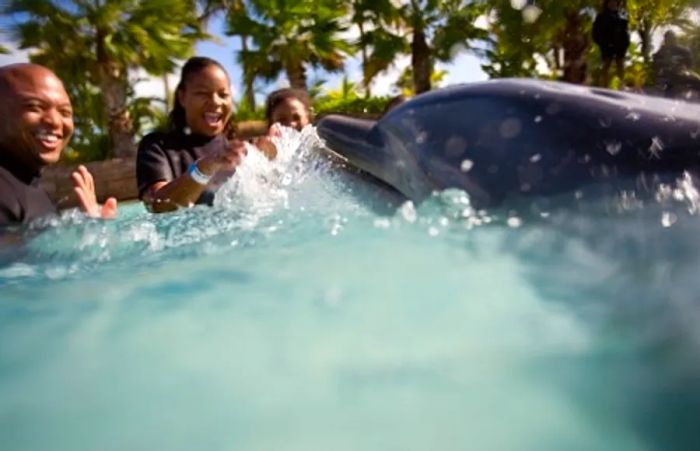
column 85, row 190
column 224, row 155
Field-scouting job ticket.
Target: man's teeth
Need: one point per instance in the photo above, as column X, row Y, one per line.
column 48, row 137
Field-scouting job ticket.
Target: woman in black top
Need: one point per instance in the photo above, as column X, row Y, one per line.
column 173, row 169
column 611, row 34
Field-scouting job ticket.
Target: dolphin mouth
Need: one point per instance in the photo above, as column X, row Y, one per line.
column 355, row 140
column 363, row 145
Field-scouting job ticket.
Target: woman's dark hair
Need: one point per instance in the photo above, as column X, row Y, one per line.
column 177, row 119
column 279, row 96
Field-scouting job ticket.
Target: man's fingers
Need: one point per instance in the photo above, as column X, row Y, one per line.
column 83, row 183
column 87, row 204
column 109, row 209
column 88, row 177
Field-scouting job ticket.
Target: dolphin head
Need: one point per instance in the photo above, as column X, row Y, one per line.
column 508, row 138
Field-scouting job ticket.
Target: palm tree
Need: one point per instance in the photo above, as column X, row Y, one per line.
column 548, row 31
column 289, row 36
column 101, row 41
column 378, row 45
column 430, row 30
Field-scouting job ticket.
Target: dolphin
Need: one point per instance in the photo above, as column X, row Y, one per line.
column 516, row 137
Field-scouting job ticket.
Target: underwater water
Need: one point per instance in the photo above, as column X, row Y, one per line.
column 313, row 310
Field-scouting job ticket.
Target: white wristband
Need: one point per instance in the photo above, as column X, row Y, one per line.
column 197, row 175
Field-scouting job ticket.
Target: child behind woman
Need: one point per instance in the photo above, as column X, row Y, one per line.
column 285, row 107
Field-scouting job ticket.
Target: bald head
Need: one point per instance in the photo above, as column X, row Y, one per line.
column 36, row 115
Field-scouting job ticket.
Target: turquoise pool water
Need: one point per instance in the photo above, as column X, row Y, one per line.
column 310, row 310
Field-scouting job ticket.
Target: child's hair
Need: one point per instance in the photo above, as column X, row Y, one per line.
column 177, row 119
column 279, row 96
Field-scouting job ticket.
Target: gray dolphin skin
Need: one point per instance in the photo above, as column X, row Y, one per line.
column 507, row 138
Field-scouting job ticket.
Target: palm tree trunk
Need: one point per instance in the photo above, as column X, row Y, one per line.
column 248, row 78
column 296, row 74
column 575, row 43
column 645, row 40
column 421, row 61
column 113, row 82
column 363, row 51
column 113, row 85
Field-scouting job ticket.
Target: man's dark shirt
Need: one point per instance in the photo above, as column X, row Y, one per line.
column 611, row 34
column 20, row 200
column 166, row 156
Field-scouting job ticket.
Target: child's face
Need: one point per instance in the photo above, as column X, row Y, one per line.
column 291, row 112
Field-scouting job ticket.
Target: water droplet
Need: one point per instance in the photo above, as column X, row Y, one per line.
column 668, row 219
column 656, row 147
column 443, row 221
column 613, row 147
column 455, row 146
column 544, row 214
column 538, row 119
column 433, row 231
column 422, row 137
column 553, row 108
column 531, row 13
column 408, row 211
column 535, row 158
column 605, row 122
column 466, row 165
column 382, row 223
column 633, row 116
column 578, row 195
column 514, row 222
column 510, row 128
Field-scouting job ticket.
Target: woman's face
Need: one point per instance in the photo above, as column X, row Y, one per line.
column 291, row 112
column 206, row 98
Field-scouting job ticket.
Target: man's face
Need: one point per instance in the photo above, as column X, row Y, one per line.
column 37, row 119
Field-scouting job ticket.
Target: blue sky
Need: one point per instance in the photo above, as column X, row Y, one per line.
column 464, row 68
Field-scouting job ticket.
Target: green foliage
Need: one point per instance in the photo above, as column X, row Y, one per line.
column 520, row 47
column 428, row 30
column 290, row 36
column 347, row 100
column 405, row 82
column 354, row 106
column 244, row 112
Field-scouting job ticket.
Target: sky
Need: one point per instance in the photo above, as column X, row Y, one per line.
column 464, row 68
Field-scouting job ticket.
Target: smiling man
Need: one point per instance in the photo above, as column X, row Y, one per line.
column 36, row 124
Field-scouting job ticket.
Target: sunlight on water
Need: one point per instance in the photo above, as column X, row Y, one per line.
column 313, row 310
